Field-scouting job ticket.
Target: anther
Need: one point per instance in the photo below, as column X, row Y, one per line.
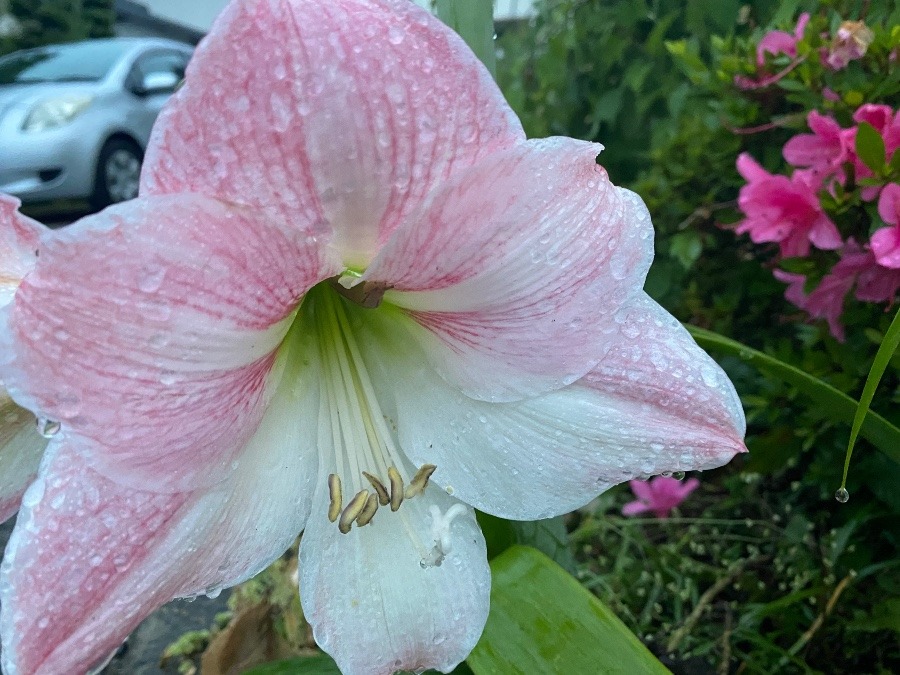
column 354, row 508
column 334, row 490
column 383, row 497
column 419, row 481
column 365, row 516
column 396, row 488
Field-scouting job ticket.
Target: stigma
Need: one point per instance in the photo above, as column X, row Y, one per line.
column 364, row 504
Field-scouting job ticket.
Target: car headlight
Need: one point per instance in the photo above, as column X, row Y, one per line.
column 55, row 112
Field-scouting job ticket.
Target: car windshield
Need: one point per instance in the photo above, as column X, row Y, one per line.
column 80, row 62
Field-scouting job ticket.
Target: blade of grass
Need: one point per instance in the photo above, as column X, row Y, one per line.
column 885, row 351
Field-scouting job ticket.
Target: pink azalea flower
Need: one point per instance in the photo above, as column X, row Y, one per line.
column 345, row 258
column 874, row 283
column 887, row 123
column 784, row 210
column 823, row 152
column 851, row 42
column 775, row 42
column 885, row 242
column 779, row 42
column 660, row 494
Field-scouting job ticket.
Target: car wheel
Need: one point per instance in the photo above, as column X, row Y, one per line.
column 118, row 173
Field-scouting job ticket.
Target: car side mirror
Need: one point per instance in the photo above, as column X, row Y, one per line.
column 163, row 82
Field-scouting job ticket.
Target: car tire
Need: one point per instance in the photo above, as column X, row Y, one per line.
column 118, row 173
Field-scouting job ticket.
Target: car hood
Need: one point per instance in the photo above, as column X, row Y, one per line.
column 28, row 94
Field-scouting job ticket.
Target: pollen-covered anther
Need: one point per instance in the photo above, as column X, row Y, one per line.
column 334, row 491
column 419, row 481
column 353, row 510
column 396, row 481
column 383, row 496
column 365, row 516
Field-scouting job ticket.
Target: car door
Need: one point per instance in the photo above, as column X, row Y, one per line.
column 153, row 78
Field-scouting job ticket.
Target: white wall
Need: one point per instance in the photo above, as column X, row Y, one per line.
column 199, row 14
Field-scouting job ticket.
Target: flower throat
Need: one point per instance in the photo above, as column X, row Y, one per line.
column 351, row 420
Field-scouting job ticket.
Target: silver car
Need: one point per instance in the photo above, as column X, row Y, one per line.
column 75, row 118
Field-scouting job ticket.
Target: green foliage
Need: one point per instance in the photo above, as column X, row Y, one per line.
column 45, row 22
column 600, row 70
column 655, row 82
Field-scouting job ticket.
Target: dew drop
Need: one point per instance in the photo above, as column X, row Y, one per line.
column 842, row 495
column 678, row 475
column 48, row 428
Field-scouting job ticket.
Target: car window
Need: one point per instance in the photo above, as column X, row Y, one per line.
column 162, row 61
column 78, row 62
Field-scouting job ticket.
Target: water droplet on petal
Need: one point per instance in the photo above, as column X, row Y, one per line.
column 678, row 475
column 842, row 495
column 48, row 428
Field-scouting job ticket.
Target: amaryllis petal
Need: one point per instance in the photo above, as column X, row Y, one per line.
column 96, row 556
column 412, row 588
column 519, row 280
column 656, row 403
column 21, row 449
column 18, row 246
column 191, row 298
column 345, row 113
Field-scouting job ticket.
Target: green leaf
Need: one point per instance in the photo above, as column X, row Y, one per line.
column 309, row 665
column 474, row 21
column 882, row 358
column 876, row 429
column 543, row 621
column 870, row 147
column 547, row 536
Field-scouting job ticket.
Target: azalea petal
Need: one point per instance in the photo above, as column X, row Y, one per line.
column 376, row 598
column 346, row 113
column 885, row 245
column 641, row 489
column 18, row 245
column 90, row 558
column 191, row 297
column 656, row 403
column 21, row 449
column 750, row 169
column 634, row 508
column 519, row 281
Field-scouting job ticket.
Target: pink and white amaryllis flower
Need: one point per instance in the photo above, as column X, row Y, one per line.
column 352, row 300
column 660, row 495
column 784, row 210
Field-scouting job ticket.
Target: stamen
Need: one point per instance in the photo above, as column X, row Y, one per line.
column 383, row 497
column 351, row 513
column 368, row 512
column 334, row 489
column 396, row 488
column 419, row 481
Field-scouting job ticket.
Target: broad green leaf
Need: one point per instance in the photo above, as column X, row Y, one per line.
column 310, row 665
column 876, row 429
column 543, row 621
column 882, row 358
column 870, row 147
column 474, row 21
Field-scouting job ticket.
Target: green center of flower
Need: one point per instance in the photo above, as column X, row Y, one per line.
column 352, row 424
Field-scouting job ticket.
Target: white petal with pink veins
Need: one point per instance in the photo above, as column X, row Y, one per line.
column 150, row 329
column 655, row 403
column 410, row 591
column 96, row 556
column 519, row 280
column 346, row 113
